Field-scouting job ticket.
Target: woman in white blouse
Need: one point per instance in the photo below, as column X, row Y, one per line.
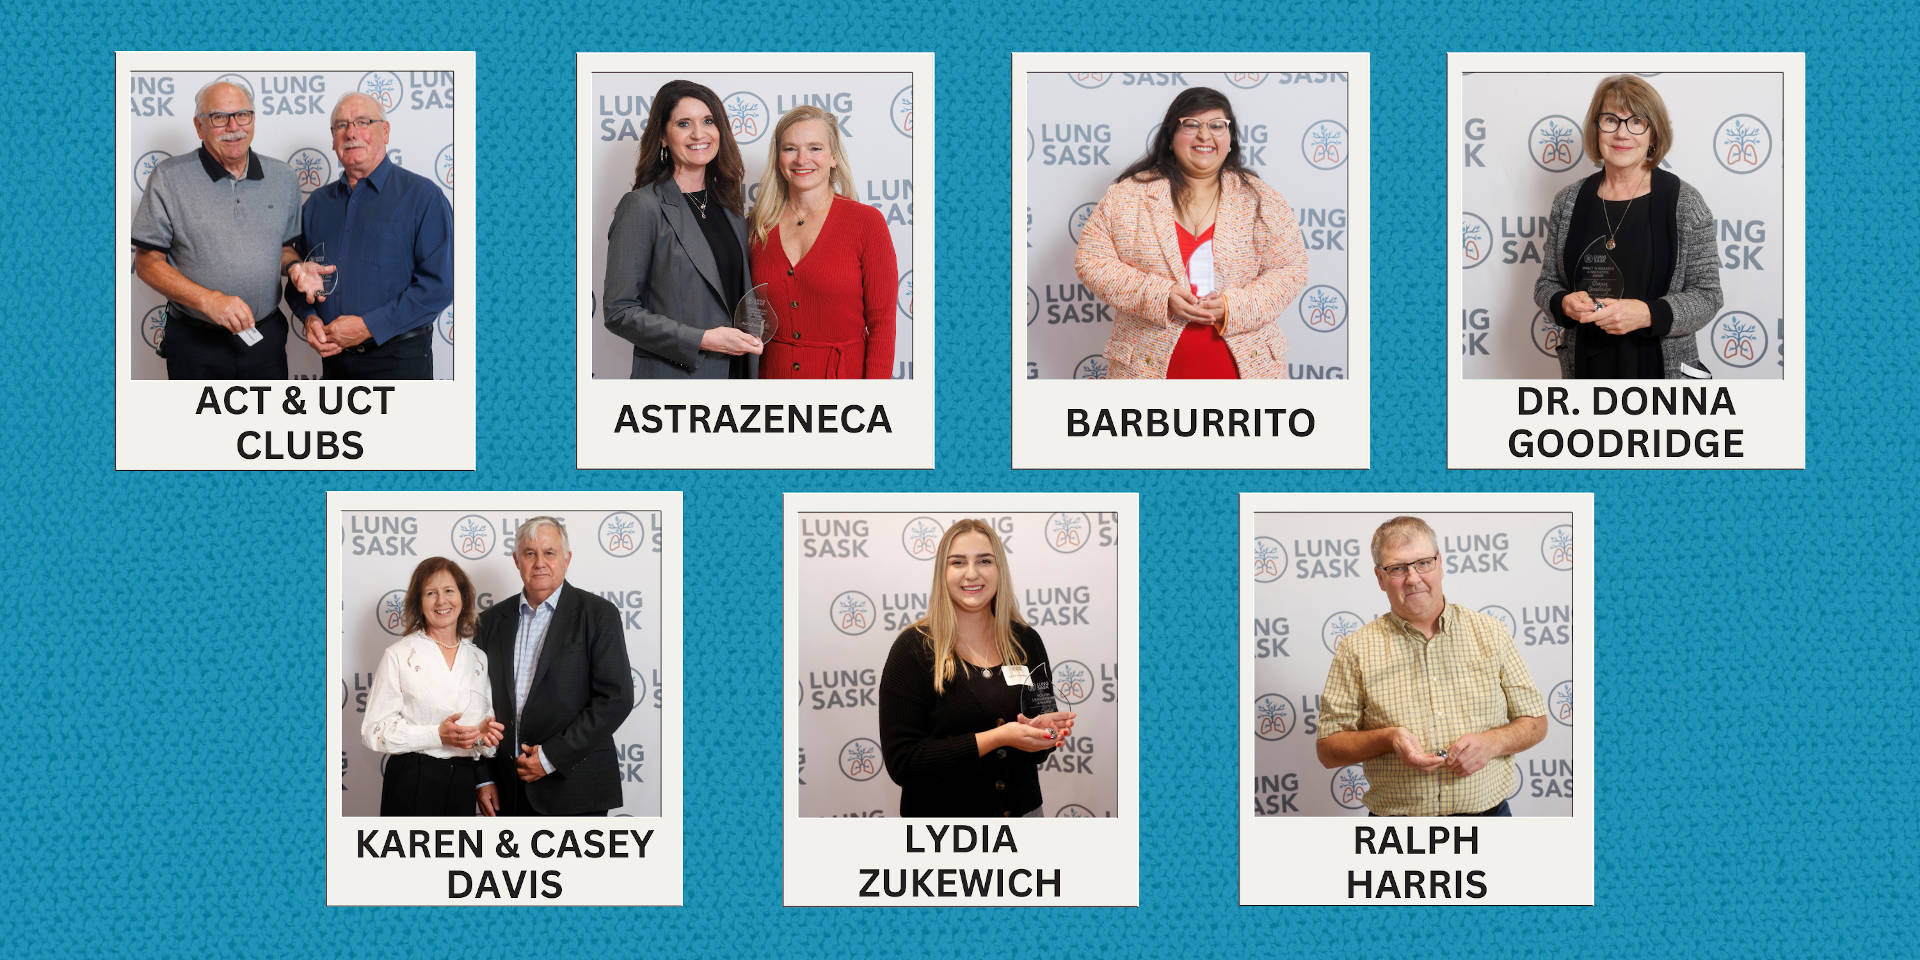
column 431, row 707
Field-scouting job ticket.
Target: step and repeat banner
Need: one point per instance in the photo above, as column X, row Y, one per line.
column 875, row 109
column 292, row 111
column 616, row 555
column 863, row 577
column 1314, row 583
column 1083, row 129
column 1524, row 141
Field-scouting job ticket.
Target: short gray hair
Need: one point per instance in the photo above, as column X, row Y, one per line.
column 1401, row 528
column 529, row 525
column 200, row 98
column 379, row 112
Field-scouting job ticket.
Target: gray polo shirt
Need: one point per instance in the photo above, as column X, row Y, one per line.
column 223, row 234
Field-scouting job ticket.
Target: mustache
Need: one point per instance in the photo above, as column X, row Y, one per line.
column 231, row 137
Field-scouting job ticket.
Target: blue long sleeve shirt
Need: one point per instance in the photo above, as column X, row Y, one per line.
column 391, row 237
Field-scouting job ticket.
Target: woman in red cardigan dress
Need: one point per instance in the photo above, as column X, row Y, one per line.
column 826, row 259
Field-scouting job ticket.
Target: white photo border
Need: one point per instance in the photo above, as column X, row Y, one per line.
column 1342, row 408
column 154, row 424
column 909, row 403
column 1100, row 854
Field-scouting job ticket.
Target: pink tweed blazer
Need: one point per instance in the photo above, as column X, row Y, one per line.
column 1129, row 256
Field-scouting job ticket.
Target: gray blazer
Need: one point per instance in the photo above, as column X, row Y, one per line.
column 1693, row 295
column 663, row 286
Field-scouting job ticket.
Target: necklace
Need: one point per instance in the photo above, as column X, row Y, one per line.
column 1213, row 205
column 699, row 200
column 1607, row 212
column 455, row 645
column 800, row 214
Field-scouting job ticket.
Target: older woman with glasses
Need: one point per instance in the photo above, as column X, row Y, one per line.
column 1630, row 267
column 1196, row 254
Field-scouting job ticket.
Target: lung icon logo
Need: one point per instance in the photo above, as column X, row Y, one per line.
column 1554, row 143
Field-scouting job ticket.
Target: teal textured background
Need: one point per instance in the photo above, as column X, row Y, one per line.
column 167, row 755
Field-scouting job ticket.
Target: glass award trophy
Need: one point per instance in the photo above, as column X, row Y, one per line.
column 754, row 314
column 329, row 282
column 1036, row 697
column 1600, row 274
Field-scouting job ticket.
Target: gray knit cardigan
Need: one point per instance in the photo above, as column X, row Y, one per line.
column 1693, row 296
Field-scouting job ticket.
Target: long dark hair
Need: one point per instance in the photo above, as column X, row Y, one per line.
column 1160, row 162
column 414, row 620
column 724, row 173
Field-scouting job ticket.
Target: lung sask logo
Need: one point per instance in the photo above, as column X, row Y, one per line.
column 1554, row 143
column 1090, row 80
column 1073, row 810
column 1033, row 306
column 153, row 327
column 1078, row 219
column 902, row 111
column 143, row 167
column 747, row 114
column 1067, row 532
column 238, row 81
column 1742, row 143
column 1476, row 239
column 1322, row 308
column 391, row 611
column 921, row 537
column 1273, row 717
column 1093, row 366
column 1349, row 787
column 1505, row 617
column 1073, row 681
column 1560, row 702
column 444, row 326
column 852, row 613
column 1338, row 627
column 903, row 297
column 860, row 759
column 1246, row 81
column 311, row 168
column 639, row 688
column 384, row 86
column 1739, row 339
column 1547, row 334
column 473, row 536
column 1324, row 144
column 443, row 166
column 1556, row 548
column 1269, row 560
column 621, row 534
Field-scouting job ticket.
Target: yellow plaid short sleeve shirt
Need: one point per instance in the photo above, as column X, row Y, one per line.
column 1468, row 679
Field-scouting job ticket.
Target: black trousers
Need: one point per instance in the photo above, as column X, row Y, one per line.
column 406, row 357
column 513, row 801
column 417, row 785
column 197, row 350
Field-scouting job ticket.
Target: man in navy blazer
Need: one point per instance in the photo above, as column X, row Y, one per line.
column 557, row 658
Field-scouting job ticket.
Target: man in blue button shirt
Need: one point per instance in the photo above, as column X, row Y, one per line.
column 388, row 235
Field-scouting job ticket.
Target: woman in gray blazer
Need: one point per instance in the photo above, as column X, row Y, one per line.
column 1630, row 269
column 677, row 250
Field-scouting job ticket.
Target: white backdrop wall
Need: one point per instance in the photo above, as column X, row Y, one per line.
column 292, row 112
column 1314, row 584
column 1523, row 142
column 865, row 576
column 1084, row 128
column 876, row 127
column 615, row 555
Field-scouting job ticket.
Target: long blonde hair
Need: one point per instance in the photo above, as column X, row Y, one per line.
column 941, row 624
column 773, row 187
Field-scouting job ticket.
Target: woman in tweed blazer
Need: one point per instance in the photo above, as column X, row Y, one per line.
column 1130, row 250
column 1627, row 133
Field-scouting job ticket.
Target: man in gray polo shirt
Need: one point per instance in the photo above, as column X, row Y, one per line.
column 213, row 235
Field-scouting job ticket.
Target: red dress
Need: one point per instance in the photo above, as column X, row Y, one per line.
column 836, row 305
column 1202, row 353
